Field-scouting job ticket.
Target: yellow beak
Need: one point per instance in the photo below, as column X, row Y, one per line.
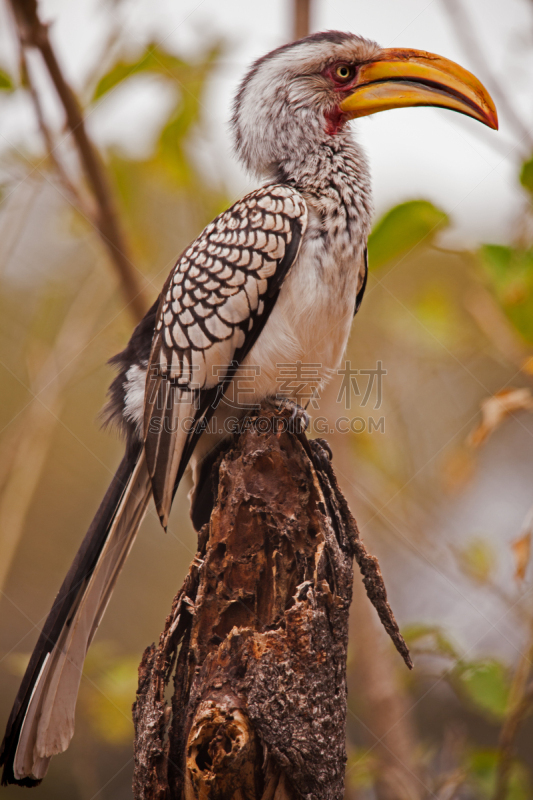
column 401, row 78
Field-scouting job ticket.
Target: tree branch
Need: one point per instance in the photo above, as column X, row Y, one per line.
column 301, row 18
column 32, row 33
column 257, row 637
column 71, row 190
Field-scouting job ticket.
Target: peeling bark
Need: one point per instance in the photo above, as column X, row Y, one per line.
column 257, row 637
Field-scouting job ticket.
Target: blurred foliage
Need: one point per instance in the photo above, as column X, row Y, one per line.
column 526, row 175
column 478, row 560
column 435, row 311
column 6, row 83
column 153, row 59
column 362, row 767
column 521, row 549
column 509, row 274
column 481, row 764
column 107, row 692
column 429, row 639
column 498, row 408
column 188, row 79
column 403, row 228
column 485, row 684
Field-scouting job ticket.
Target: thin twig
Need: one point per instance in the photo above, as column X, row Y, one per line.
column 33, row 33
column 509, row 731
column 463, row 29
column 301, row 18
column 69, row 187
column 109, row 47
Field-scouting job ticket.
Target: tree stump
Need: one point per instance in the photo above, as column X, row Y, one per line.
column 257, row 637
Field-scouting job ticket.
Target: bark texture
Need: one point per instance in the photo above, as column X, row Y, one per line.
column 257, row 637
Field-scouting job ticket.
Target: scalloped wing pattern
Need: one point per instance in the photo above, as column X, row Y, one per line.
column 213, row 307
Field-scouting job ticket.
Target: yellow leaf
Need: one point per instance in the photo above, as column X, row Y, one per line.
column 457, row 469
column 527, row 366
column 497, row 408
column 521, row 548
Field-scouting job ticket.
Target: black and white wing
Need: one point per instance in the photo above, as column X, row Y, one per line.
column 213, row 307
column 361, row 283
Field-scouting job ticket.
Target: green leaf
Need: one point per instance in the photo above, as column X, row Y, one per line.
column 509, row 273
column 497, row 260
column 171, row 158
column 485, row 683
column 6, row 83
column 429, row 638
column 481, row 767
column 155, row 60
column 152, row 60
column 402, row 228
column 526, row 175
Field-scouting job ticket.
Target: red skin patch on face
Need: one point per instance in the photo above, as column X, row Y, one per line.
column 335, row 119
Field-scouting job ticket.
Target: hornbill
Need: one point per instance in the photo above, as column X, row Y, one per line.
column 273, row 280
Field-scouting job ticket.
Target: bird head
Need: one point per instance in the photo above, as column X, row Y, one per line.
column 303, row 94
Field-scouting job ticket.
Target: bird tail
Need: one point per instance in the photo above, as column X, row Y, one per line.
column 41, row 723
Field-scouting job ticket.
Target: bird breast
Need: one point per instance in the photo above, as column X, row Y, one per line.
column 306, row 334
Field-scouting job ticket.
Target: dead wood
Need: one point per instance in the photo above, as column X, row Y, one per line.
column 257, row 637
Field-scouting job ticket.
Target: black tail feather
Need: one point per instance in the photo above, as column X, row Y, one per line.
column 77, row 578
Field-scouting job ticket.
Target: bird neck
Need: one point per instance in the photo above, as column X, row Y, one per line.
column 333, row 176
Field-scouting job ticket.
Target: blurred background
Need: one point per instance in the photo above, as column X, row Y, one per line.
column 438, row 474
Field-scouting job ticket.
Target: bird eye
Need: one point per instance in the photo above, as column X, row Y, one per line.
column 343, row 72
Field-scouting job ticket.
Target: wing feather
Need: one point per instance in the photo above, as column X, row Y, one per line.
column 361, row 286
column 213, row 307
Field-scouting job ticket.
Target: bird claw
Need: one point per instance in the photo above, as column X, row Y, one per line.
column 324, row 444
column 298, row 414
column 322, row 453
